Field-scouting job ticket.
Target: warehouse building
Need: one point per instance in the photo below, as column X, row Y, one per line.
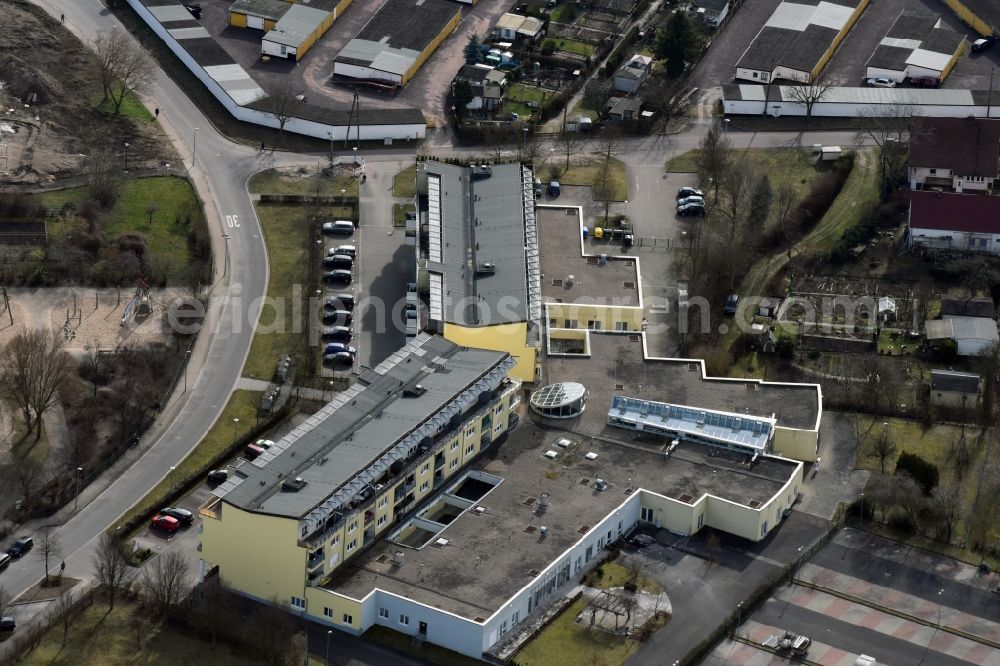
column 257, row 14
column 397, row 41
column 291, row 28
column 798, row 40
column 982, row 15
column 747, row 99
column 477, row 259
column 917, row 46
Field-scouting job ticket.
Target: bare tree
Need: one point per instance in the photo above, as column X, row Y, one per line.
column 6, row 599
column 809, row 94
column 17, row 371
column 26, row 473
column 883, row 447
column 103, row 178
column 529, row 147
column 111, row 565
column 63, row 611
column 49, row 548
column 947, row 509
column 125, row 68
column 909, row 497
column 283, row 102
column 52, row 367
column 165, row 579
column 604, row 187
column 737, row 185
column 782, row 204
column 275, row 629
column 569, row 142
column 91, row 363
column 888, row 127
column 713, row 158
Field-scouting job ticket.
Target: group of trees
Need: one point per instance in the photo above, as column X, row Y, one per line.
column 33, row 367
column 677, row 42
column 124, row 68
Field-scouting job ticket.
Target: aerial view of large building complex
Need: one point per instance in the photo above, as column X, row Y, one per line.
column 407, row 332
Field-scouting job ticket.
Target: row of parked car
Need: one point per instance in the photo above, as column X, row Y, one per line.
column 690, row 202
column 172, row 519
column 338, row 309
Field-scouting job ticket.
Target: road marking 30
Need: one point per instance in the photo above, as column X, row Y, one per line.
column 233, row 221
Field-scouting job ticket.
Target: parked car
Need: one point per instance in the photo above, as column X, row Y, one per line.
column 554, row 189
column 339, row 359
column 5, row 561
column 217, row 476
column 731, row 303
column 691, row 210
column 349, row 250
column 337, row 317
column 338, row 275
column 339, row 227
column 21, row 547
column 264, row 443
column 252, row 452
column 924, row 82
column 183, row 515
column 684, row 192
column 983, row 44
column 340, row 302
column 538, row 187
column 693, row 199
column 341, row 333
column 338, row 261
column 7, row 624
column 165, row 523
column 340, row 348
column 881, row 83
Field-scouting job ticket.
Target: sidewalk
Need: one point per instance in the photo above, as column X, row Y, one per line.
column 248, row 384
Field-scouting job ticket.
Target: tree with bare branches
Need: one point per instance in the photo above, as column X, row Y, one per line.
column 888, row 126
column 111, row 565
column 33, row 366
column 569, row 143
column 713, row 158
column 6, row 599
column 49, row 548
column 283, row 102
column 946, row 508
column 124, row 67
column 63, row 611
column 165, row 580
column 809, row 94
column 883, row 447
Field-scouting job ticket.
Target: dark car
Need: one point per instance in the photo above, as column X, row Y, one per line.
column 340, row 333
column 339, row 275
column 983, row 44
column 337, row 317
column 165, row 523
column 554, row 189
column 691, row 209
column 340, row 302
column 693, row 199
column 5, row 561
column 183, row 515
column 21, row 547
column 685, row 192
column 339, row 348
column 731, row 303
column 924, row 82
column 7, row 624
column 349, row 250
column 218, row 476
column 339, row 360
column 338, row 261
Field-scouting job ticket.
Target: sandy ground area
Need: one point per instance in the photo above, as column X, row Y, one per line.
column 87, row 317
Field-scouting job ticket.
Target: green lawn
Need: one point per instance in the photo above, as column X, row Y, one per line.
column 429, row 652
column 404, row 183
column 281, row 181
column 99, row 637
column 615, row 575
column 563, row 14
column 566, row 642
column 573, row 46
column 131, row 108
column 857, row 200
column 166, row 235
column 283, row 327
column 589, row 172
column 399, row 212
column 242, row 405
column 517, row 97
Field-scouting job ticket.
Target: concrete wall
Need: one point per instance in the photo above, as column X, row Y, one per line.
column 970, row 19
column 434, row 44
column 954, row 240
column 845, row 110
column 610, row 316
column 795, row 443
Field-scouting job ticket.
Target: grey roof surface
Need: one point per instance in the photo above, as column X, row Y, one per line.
column 969, row 307
column 987, row 10
column 715, row 5
column 800, row 50
column 958, row 382
column 340, row 441
column 488, row 556
column 912, row 31
column 396, row 36
column 962, row 328
column 368, row 116
column 269, row 9
column 297, row 25
column 482, row 221
column 618, row 359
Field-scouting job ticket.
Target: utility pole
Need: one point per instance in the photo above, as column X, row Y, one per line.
column 989, row 97
column 6, row 304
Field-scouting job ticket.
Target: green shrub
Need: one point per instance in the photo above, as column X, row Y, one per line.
column 925, row 473
column 548, row 47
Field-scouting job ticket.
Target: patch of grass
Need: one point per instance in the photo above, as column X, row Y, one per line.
column 98, row 637
column 747, row 366
column 283, row 181
column 566, row 642
column 283, row 329
column 518, row 96
column 434, row 654
column 583, row 108
column 782, row 165
column 589, row 172
column 576, row 47
column 616, row 575
column 399, row 212
column 404, row 183
column 857, row 200
column 166, row 231
column 242, row 405
column 563, row 14
column 131, row 108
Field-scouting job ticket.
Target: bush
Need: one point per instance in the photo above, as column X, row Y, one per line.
column 925, row 473
column 901, row 522
column 548, row 47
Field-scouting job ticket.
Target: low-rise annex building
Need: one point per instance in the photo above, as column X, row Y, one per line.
column 917, row 46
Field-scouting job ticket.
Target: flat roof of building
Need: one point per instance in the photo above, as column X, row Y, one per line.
column 269, row 9
column 797, row 35
column 614, row 282
column 949, row 380
column 394, row 38
column 918, row 40
column 359, row 426
column 297, row 25
column 962, row 328
column 494, row 548
column 618, row 360
column 476, row 227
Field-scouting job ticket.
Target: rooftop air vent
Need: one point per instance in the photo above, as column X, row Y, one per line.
column 533, row 572
column 479, row 510
column 530, row 529
column 383, row 558
column 584, row 482
column 584, row 529
column 293, row 485
column 529, row 501
column 440, row 543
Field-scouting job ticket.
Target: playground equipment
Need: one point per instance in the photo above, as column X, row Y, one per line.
column 139, row 306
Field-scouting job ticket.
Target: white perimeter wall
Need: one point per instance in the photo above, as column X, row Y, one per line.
column 845, row 110
column 361, row 72
column 297, row 125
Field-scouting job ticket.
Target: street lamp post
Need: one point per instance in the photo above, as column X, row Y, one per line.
column 126, row 157
column 861, row 514
column 739, row 617
column 326, row 660
column 171, row 474
column 76, row 500
column 187, row 360
column 194, row 146
column 236, row 425
column 936, row 627
column 330, row 134
column 225, row 265
column 626, row 209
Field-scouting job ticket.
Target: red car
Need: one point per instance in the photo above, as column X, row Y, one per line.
column 166, row 523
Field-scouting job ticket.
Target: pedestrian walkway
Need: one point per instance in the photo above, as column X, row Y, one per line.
column 248, row 384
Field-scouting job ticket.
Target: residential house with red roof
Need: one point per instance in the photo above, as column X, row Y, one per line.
column 954, row 154
column 952, row 221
